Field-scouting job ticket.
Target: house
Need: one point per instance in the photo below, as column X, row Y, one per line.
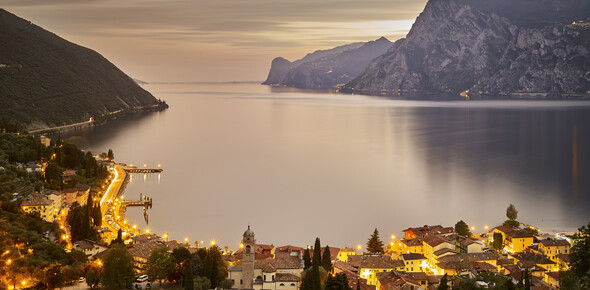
column 67, row 175
column 552, row 247
column 145, row 238
column 414, row 262
column 38, row 203
column 433, row 244
column 57, row 199
column 90, row 248
column 411, row 246
column 289, row 252
column 369, row 265
column 69, row 196
column 344, row 253
column 396, row 280
column 537, row 264
column 517, row 241
column 32, row 167
column 470, row 246
column 46, row 141
column 563, row 261
column 141, row 253
column 424, row 231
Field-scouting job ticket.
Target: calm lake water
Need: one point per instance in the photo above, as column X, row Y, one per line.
column 296, row 165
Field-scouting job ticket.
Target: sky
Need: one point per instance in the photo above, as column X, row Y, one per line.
column 223, row 40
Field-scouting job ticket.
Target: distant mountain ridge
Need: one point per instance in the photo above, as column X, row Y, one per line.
column 500, row 47
column 47, row 81
column 326, row 68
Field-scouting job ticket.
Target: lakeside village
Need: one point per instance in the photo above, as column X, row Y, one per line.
column 62, row 222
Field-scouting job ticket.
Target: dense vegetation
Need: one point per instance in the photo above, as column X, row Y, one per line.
column 47, row 81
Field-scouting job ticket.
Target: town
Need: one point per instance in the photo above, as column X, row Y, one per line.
column 84, row 214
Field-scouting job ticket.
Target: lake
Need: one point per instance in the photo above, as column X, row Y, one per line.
column 296, row 165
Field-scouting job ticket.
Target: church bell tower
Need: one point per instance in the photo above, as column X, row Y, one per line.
column 248, row 259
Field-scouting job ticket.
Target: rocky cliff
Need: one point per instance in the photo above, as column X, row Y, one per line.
column 46, row 81
column 486, row 48
column 327, row 68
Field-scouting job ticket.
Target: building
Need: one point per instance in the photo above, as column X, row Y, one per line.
column 369, row 265
column 414, row 262
column 344, row 253
column 422, row 232
column 69, row 196
column 552, row 247
column 517, row 241
column 90, row 248
column 433, row 244
column 282, row 273
column 38, row 203
column 289, row 252
column 46, row 141
column 411, row 246
column 67, row 175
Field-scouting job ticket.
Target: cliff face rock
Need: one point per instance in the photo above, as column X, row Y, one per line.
column 46, row 81
column 325, row 69
column 459, row 45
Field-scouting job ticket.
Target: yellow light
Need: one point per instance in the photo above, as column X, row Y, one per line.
column 134, row 226
column 186, row 240
column 473, row 228
column 212, row 243
column 147, row 231
column 61, row 227
column 99, row 262
column 359, row 247
column 241, row 245
column 9, row 261
column 125, row 222
column 392, row 244
column 24, row 283
column 393, row 237
column 165, row 236
column 486, row 227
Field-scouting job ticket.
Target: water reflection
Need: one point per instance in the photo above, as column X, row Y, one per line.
column 300, row 165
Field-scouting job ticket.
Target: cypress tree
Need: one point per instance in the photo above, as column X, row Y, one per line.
column 527, row 280
column 327, row 260
column 97, row 216
column 306, row 259
column 189, row 283
column 317, row 252
column 316, row 283
column 443, row 283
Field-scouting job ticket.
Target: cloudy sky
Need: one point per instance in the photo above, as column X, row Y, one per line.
column 214, row 40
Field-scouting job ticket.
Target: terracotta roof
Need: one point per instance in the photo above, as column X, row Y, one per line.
column 268, row 268
column 444, row 251
column 395, row 280
column 288, row 248
column 504, row 229
column 84, row 245
column 563, row 257
column 434, row 241
column 144, row 250
column 333, row 252
column 467, row 242
column 473, row 257
column 503, row 262
column 413, row 256
column 82, row 187
column 554, row 243
column 536, row 258
column 466, row 265
column 430, row 230
column 412, row 242
column 372, row 261
column 70, row 190
column 398, row 263
column 519, row 234
column 286, row 277
column 555, row 275
column 145, row 238
column 346, row 268
column 36, row 199
column 290, row 263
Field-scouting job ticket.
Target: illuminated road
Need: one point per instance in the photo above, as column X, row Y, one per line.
column 109, row 199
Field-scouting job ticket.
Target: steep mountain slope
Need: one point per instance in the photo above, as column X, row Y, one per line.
column 324, row 69
column 459, row 45
column 48, row 81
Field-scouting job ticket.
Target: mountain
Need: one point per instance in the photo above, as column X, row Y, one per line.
column 500, row 47
column 326, row 68
column 47, row 81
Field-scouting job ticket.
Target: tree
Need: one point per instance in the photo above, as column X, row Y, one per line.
column 317, row 252
column 189, row 282
column 511, row 212
column 306, row 259
column 202, row 283
column 327, row 260
column 53, row 277
column 159, row 264
column 97, row 216
column 337, row 282
column 92, row 278
column 527, row 280
column 443, row 283
column 498, row 242
column 110, row 155
column 118, row 268
column 119, row 239
column 462, row 229
column 374, row 244
column 226, row 284
column 578, row 276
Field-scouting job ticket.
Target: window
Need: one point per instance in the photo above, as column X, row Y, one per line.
column 241, row 282
column 292, row 284
column 282, row 284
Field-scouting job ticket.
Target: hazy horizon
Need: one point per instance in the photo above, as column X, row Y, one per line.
column 202, row 41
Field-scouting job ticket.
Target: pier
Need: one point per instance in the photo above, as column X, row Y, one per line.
column 129, row 169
